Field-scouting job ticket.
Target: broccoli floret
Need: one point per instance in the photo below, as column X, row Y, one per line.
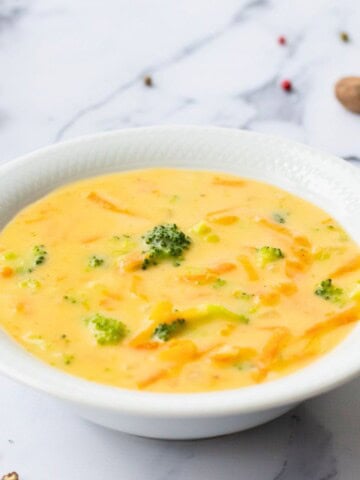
column 40, row 254
column 244, row 365
column 70, row 299
column 221, row 311
column 174, row 198
column 219, row 282
column 68, row 358
column 106, row 330
column 269, row 254
column 95, row 261
column 30, row 283
column 164, row 331
column 65, row 338
column 78, row 299
column 243, row 295
column 210, row 311
column 278, row 217
column 328, row 291
column 10, row 256
column 165, row 242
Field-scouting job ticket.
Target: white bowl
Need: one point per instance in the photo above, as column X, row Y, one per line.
column 325, row 180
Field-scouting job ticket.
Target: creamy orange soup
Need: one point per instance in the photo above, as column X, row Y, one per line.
column 177, row 281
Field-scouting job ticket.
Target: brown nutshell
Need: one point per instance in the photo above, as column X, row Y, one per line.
column 11, row 476
column 347, row 91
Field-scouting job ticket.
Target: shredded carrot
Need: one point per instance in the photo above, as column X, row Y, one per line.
column 228, row 182
column 269, row 298
column 152, row 378
column 301, row 241
column 293, row 267
column 147, row 346
column 200, row 278
column 135, row 287
column 300, row 248
column 60, row 278
column 311, row 349
column 162, row 312
column 303, row 255
column 260, row 374
column 218, row 213
column 223, row 219
column 210, row 348
column 275, row 227
column 37, row 219
column 132, row 262
column 106, row 204
column 233, row 354
column 207, row 275
column 21, row 307
column 107, row 304
column 7, row 272
column 179, row 361
column 178, row 351
column 294, row 359
column 144, row 334
column 278, row 340
column 327, row 220
column 227, row 329
column 91, row 239
column 300, row 263
column 287, row 288
column 270, row 358
column 223, row 267
column 112, row 295
column 249, row 268
column 349, row 267
column 41, row 215
column 350, row 315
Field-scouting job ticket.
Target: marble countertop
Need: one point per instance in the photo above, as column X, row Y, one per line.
column 70, row 68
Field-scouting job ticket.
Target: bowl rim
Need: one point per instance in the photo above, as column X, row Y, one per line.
column 307, row 382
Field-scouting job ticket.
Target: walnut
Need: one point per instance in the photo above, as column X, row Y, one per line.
column 347, row 91
column 11, row 476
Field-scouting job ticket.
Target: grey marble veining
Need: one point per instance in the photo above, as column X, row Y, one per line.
column 316, row 441
column 153, row 69
column 71, row 68
column 76, row 68
column 310, row 452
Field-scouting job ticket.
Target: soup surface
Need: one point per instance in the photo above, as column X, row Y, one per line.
column 177, row 281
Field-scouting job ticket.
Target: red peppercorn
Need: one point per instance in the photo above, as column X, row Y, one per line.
column 286, row 85
column 281, row 40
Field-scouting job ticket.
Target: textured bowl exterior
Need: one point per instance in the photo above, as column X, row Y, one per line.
column 323, row 179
